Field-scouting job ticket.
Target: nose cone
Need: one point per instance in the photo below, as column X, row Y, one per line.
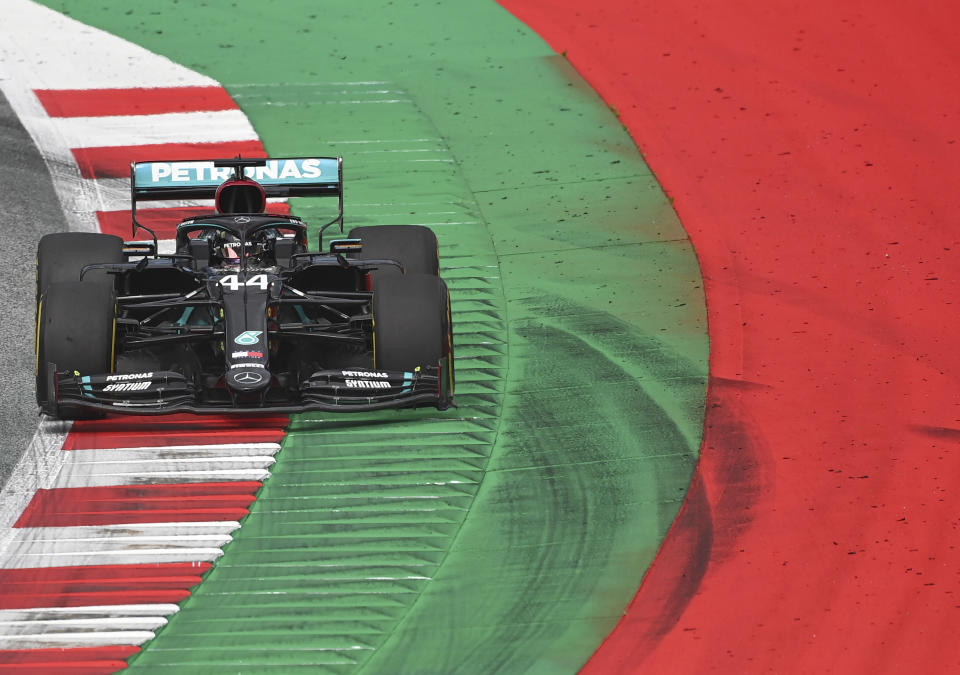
column 248, row 379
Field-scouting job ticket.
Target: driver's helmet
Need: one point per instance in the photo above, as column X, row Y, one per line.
column 227, row 247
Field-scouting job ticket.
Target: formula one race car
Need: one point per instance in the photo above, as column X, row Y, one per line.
column 241, row 317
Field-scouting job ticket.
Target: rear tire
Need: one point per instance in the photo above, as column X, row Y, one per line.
column 411, row 319
column 75, row 331
column 414, row 246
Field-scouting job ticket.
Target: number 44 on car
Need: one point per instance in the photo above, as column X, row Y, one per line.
column 242, row 316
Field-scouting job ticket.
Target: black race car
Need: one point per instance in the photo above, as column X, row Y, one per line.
column 242, row 316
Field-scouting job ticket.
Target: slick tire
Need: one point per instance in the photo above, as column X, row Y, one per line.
column 61, row 256
column 75, row 331
column 411, row 322
column 414, row 246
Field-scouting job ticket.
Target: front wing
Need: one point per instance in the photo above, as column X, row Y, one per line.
column 162, row 392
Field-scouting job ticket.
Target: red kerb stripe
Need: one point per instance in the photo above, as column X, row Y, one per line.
column 9, row 578
column 155, row 101
column 66, row 656
column 184, row 502
column 124, row 596
column 177, row 429
column 114, row 162
column 67, row 667
column 125, row 517
column 45, row 586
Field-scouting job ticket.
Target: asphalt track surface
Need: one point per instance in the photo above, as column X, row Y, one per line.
column 30, row 209
column 812, row 153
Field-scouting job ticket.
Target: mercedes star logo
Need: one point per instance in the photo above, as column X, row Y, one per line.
column 241, row 219
column 246, row 377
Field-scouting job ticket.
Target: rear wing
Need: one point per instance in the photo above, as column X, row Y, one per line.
column 199, row 179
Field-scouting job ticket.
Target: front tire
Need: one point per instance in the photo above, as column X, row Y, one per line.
column 411, row 322
column 75, row 331
column 62, row 255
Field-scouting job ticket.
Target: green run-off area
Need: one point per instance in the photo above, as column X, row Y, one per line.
column 510, row 533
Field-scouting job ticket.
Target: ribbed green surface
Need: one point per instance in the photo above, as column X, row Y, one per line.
column 509, row 534
column 362, row 510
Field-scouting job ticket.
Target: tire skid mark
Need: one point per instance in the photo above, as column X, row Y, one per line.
column 565, row 357
column 813, row 173
column 724, row 496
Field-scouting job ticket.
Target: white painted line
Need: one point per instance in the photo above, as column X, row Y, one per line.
column 90, row 611
column 67, row 640
column 82, row 478
column 79, row 532
column 86, row 540
column 134, row 557
column 71, row 548
column 60, row 53
column 77, row 199
column 38, row 468
column 146, row 468
column 264, row 450
column 122, row 463
column 110, row 194
column 41, row 626
column 190, row 127
column 64, row 60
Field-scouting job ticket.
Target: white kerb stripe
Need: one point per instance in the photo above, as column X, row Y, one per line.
column 38, row 468
column 97, row 478
column 123, row 463
column 170, row 451
column 189, row 127
column 61, row 53
column 134, row 557
column 185, row 529
column 108, row 545
column 215, row 459
column 63, row 60
column 67, row 640
column 156, row 609
column 41, row 626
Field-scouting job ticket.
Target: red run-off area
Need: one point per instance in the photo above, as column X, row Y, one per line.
column 812, row 152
